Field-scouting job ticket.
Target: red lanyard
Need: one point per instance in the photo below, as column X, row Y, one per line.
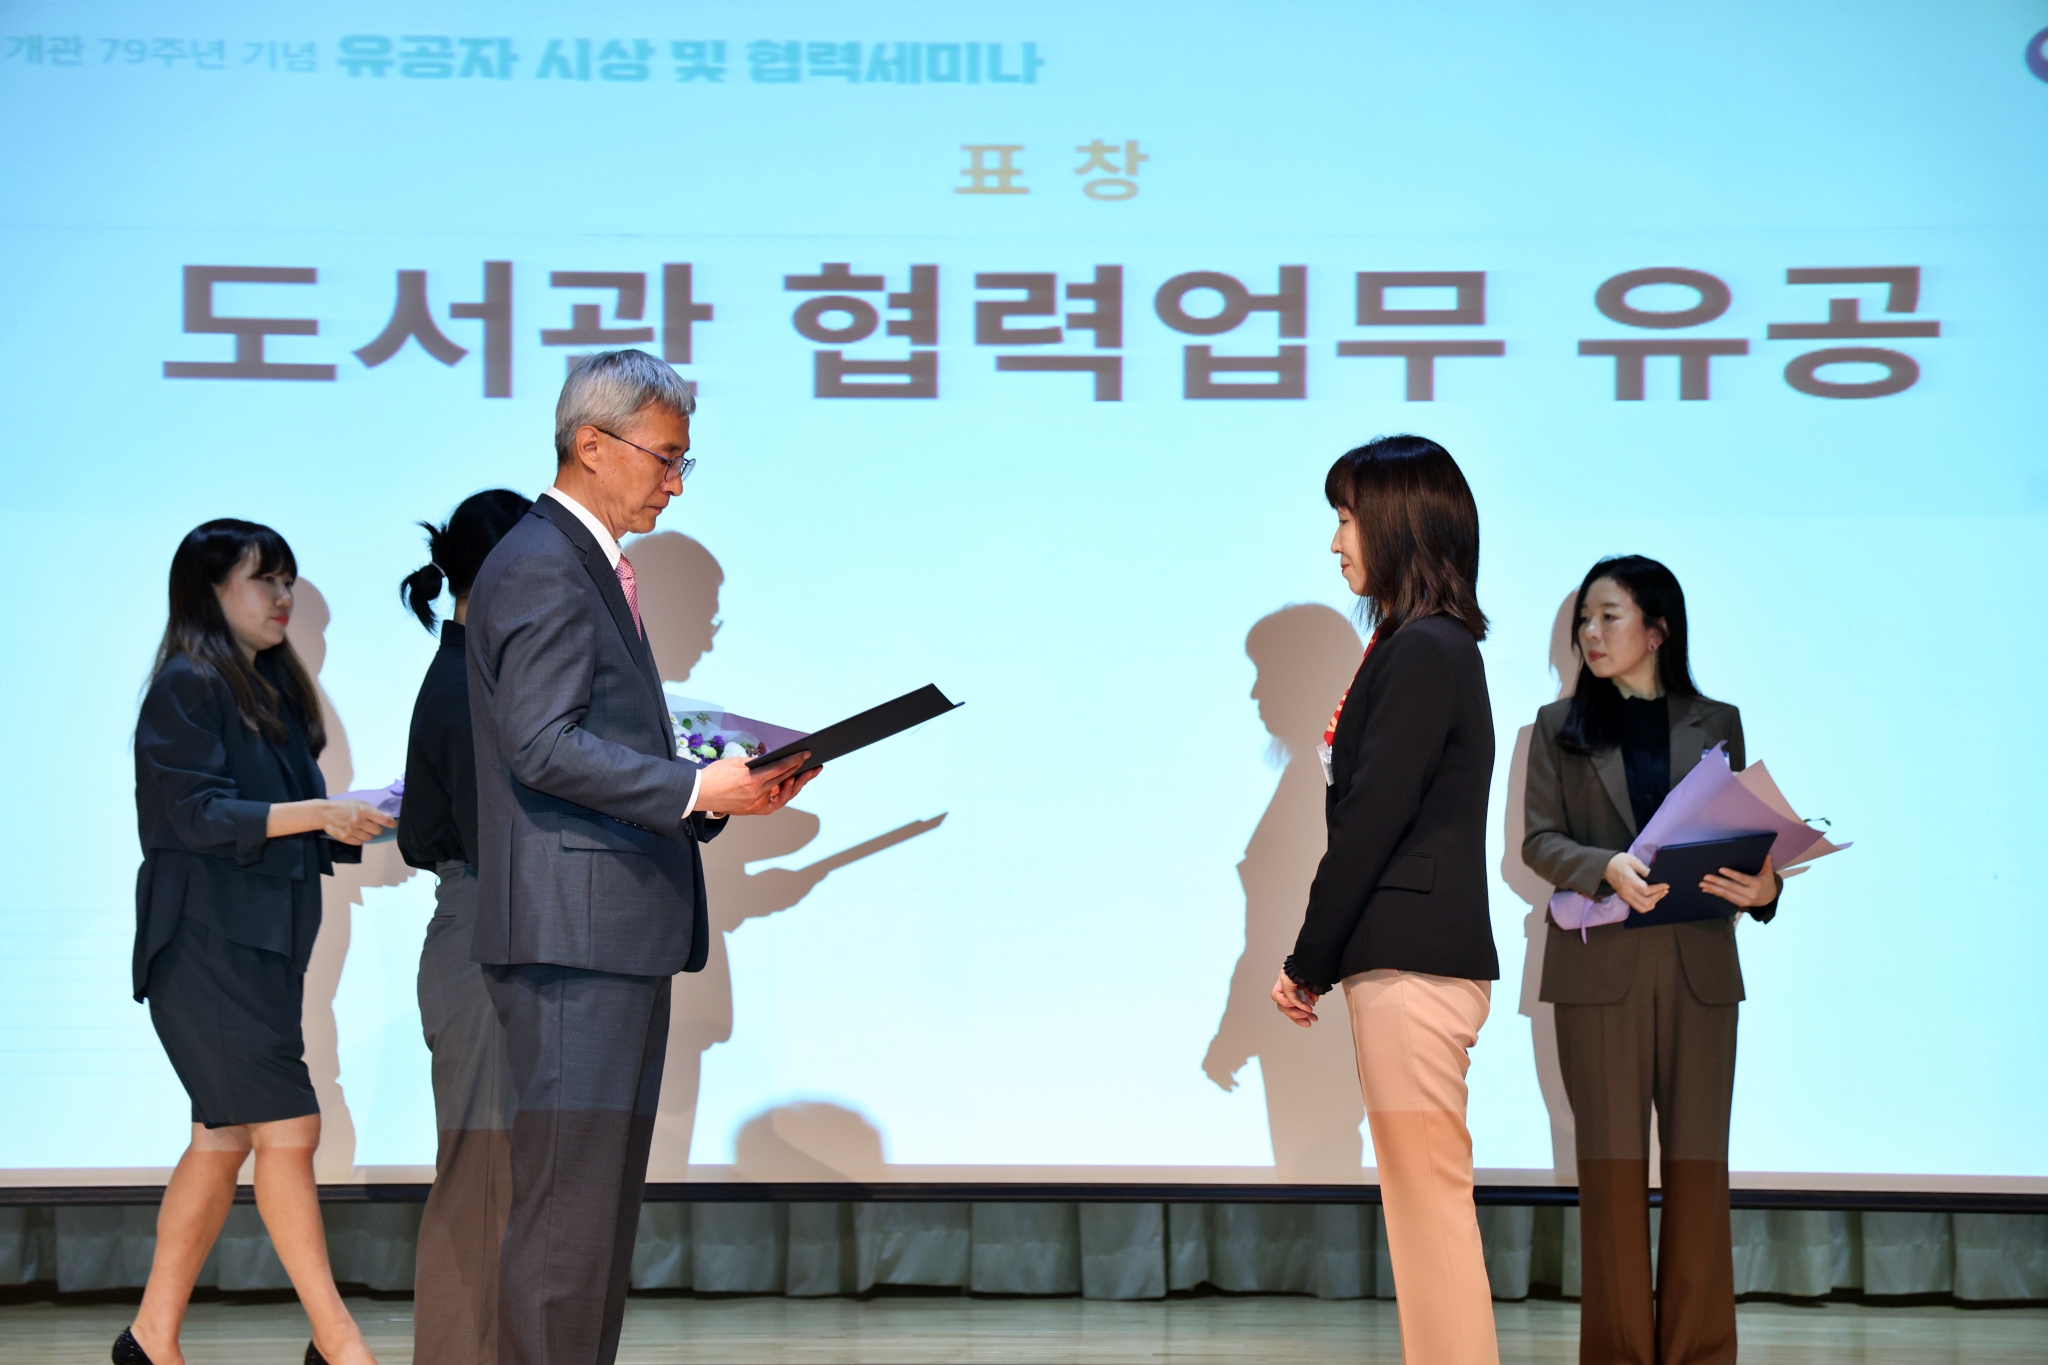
column 1330, row 730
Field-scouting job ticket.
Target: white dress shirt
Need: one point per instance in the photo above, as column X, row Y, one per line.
column 613, row 554
column 591, row 523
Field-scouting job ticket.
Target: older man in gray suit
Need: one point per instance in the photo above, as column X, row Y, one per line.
column 591, row 889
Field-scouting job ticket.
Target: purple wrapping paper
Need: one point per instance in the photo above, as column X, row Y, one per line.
column 703, row 725
column 1710, row 803
column 385, row 799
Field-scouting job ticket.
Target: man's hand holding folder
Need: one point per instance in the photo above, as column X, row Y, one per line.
column 764, row 783
column 732, row 786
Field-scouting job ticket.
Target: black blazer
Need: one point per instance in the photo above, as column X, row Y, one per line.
column 584, row 856
column 440, row 764
column 204, row 785
column 1403, row 883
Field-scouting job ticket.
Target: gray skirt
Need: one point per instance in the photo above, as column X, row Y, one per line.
column 228, row 1016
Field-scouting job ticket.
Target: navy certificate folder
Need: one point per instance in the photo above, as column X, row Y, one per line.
column 1683, row 865
column 857, row 732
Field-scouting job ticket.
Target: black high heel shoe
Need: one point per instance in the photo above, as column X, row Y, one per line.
column 313, row 1356
column 128, row 1351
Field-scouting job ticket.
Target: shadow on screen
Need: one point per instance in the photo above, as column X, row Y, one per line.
column 679, row 581
column 1305, row 657
column 339, row 895
column 1533, row 890
column 809, row 1141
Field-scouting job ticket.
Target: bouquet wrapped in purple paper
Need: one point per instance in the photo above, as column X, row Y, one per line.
column 1710, row 802
column 706, row 731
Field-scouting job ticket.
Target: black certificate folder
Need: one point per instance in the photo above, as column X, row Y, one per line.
column 857, row 732
column 1683, row 865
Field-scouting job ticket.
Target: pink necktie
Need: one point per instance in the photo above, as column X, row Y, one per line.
column 632, row 590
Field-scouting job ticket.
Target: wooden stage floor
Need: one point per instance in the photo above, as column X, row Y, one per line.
column 934, row 1328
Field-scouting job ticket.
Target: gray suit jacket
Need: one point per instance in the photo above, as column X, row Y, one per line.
column 584, row 857
column 1578, row 817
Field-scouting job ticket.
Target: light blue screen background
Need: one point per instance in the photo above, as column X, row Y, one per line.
column 1030, row 988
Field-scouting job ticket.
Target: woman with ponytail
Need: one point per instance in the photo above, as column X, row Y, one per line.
column 455, row 1285
column 236, row 833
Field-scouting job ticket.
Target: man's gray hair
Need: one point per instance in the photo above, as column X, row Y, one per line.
column 610, row 388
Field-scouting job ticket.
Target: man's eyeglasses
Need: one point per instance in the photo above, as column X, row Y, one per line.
column 679, row 465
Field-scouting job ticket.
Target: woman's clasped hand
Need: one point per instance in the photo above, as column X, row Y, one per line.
column 354, row 822
column 1740, row 888
column 1626, row 873
column 345, row 822
column 1298, row 1003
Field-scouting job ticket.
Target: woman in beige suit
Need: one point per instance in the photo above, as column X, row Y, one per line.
column 1644, row 1015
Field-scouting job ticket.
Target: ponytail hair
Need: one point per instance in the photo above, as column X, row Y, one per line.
column 456, row 549
column 421, row 588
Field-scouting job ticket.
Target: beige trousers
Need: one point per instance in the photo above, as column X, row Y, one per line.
column 1413, row 1034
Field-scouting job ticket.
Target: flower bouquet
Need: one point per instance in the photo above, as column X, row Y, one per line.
column 1710, row 802
column 706, row 732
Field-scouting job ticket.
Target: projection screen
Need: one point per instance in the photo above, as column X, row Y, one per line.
column 1024, row 336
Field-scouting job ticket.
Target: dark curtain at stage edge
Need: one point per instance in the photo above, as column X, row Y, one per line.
column 1104, row 1251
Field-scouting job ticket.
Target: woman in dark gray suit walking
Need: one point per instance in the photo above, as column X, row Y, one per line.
column 1644, row 1015
column 236, row 832
column 455, row 1279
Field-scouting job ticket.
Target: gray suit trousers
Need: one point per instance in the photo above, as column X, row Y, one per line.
column 586, row 1050
column 455, row 1282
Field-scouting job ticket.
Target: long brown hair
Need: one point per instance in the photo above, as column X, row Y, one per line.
column 198, row 628
column 1420, row 529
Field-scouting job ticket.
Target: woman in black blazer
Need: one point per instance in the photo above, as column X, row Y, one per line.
column 1398, row 908
column 455, row 1276
column 236, row 833
column 1646, row 1015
